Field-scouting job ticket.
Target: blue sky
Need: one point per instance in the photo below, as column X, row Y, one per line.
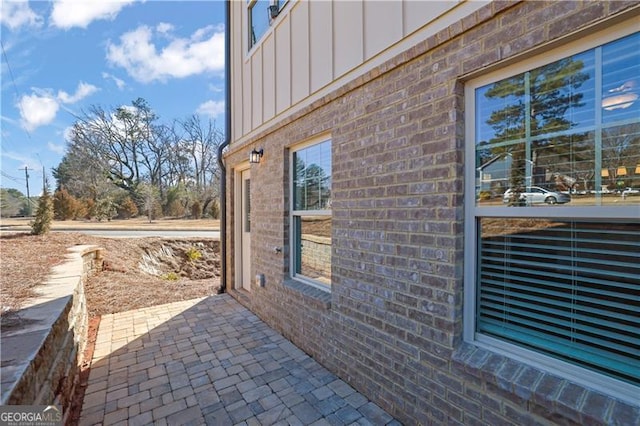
column 61, row 57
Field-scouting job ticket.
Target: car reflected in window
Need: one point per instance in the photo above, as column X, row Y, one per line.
column 534, row 195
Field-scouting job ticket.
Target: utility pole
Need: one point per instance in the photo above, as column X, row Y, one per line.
column 26, row 176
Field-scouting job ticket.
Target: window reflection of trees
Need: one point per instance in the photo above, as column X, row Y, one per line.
column 621, row 156
column 312, row 187
column 537, row 122
column 547, row 130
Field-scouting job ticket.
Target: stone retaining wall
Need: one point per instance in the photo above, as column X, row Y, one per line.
column 41, row 353
column 316, row 254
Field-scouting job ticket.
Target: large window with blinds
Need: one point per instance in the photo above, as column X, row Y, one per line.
column 553, row 211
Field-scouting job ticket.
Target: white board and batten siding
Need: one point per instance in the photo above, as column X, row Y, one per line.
column 316, row 46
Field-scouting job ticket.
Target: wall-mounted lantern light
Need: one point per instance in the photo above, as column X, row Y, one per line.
column 638, row 169
column 604, row 173
column 255, row 156
column 622, row 171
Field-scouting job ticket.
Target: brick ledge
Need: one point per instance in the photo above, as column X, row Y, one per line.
column 547, row 395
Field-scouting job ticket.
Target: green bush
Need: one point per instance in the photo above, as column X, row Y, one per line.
column 66, row 206
column 89, row 208
column 196, row 210
column 175, row 209
column 193, row 254
column 485, row 195
column 215, row 209
column 171, row 276
column 127, row 209
column 44, row 215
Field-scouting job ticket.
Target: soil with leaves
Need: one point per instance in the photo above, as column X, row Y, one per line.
column 138, row 272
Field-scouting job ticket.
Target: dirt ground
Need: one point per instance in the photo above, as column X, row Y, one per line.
column 140, row 223
column 138, row 272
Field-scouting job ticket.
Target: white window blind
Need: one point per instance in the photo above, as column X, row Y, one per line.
column 570, row 290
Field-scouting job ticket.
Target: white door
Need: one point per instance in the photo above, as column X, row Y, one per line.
column 245, row 229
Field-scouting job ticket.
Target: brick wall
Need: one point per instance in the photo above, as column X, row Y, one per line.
column 392, row 325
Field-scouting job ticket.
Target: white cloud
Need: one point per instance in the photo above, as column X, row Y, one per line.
column 119, row 82
column 182, row 57
column 164, row 27
column 212, row 109
column 216, row 88
column 67, row 133
column 37, row 110
column 67, row 14
column 58, row 149
column 15, row 14
column 40, row 108
column 19, row 157
column 83, row 90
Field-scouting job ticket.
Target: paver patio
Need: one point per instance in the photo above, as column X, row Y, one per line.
column 212, row 361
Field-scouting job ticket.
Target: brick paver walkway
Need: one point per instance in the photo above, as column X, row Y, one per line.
column 212, row 361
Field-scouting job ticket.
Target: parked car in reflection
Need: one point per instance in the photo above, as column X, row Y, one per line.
column 630, row 191
column 536, row 195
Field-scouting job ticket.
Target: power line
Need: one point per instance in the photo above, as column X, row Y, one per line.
column 13, row 178
column 13, row 80
column 6, row 140
column 6, row 60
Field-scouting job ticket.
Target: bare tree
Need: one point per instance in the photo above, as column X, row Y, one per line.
column 127, row 146
column 200, row 142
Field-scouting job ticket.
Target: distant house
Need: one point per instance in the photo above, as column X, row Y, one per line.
column 358, row 232
column 493, row 176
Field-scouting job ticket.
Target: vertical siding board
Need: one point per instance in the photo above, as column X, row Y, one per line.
column 348, row 34
column 269, row 78
column 300, row 52
column 383, row 24
column 237, row 55
column 247, row 100
column 283, row 65
column 419, row 13
column 321, row 42
column 256, row 87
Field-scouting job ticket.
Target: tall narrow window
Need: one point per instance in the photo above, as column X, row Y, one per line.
column 247, row 203
column 311, row 214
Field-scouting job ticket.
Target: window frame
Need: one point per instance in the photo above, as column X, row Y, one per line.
column 250, row 5
column 474, row 212
column 293, row 214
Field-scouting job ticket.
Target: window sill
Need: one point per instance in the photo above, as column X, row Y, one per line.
column 314, row 295
column 547, row 394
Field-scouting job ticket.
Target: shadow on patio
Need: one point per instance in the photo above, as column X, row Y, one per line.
column 211, row 361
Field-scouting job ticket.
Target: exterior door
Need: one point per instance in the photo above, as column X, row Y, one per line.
column 245, row 229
